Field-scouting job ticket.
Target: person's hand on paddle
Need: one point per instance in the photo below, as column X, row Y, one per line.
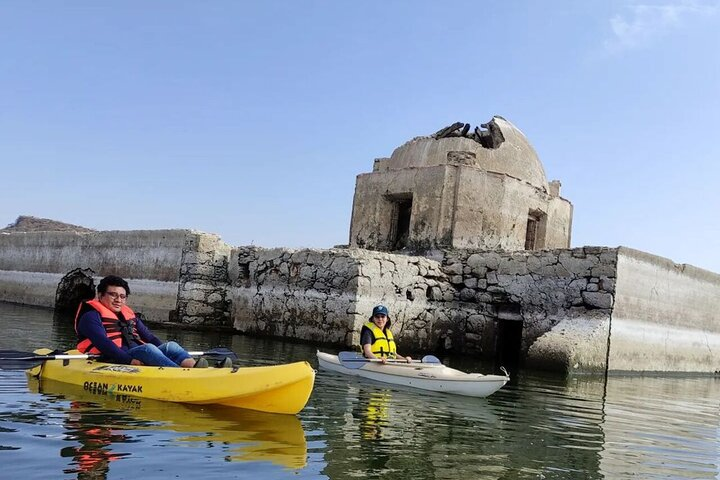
column 135, row 361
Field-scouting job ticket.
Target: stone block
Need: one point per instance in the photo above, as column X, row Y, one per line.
column 454, row 269
column 467, row 294
column 604, row 270
column 597, row 299
column 511, row 266
column 435, row 293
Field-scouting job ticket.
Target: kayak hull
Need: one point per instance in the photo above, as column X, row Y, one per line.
column 432, row 377
column 276, row 388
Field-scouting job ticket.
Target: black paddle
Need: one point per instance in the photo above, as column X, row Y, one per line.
column 16, row 360
column 354, row 360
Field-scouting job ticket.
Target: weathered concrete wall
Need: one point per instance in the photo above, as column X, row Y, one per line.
column 666, row 316
column 29, row 288
column 153, row 254
column 492, row 209
column 458, row 206
column 154, row 299
column 431, row 190
column 33, row 263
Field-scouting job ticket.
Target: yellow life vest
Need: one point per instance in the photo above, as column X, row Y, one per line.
column 383, row 346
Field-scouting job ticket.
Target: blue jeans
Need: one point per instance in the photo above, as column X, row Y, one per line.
column 169, row 354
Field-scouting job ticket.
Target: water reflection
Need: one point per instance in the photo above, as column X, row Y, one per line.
column 96, row 422
column 661, row 427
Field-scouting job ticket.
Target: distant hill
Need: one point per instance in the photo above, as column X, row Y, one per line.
column 26, row 223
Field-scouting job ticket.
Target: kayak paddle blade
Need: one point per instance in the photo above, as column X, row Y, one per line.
column 430, row 359
column 352, row 360
column 16, row 360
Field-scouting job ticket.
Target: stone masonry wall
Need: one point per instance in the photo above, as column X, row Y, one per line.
column 453, row 304
column 302, row 294
column 563, row 297
column 326, row 295
column 203, row 287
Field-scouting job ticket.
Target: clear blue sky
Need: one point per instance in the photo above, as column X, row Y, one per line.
column 252, row 119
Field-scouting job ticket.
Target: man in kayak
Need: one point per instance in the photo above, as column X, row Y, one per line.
column 107, row 326
column 376, row 338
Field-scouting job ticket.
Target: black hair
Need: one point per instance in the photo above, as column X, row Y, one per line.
column 112, row 281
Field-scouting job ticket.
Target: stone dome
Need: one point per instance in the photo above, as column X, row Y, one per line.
column 502, row 148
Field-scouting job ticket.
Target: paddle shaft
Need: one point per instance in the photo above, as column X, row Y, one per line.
column 379, row 360
column 354, row 361
column 17, row 360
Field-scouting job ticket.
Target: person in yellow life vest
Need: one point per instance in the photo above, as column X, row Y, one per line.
column 376, row 339
column 107, row 326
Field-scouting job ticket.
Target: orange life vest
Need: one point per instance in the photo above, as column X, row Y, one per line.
column 115, row 328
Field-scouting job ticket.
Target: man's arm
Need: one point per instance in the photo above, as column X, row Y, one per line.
column 145, row 334
column 90, row 326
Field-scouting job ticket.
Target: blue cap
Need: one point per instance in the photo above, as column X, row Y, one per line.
column 380, row 310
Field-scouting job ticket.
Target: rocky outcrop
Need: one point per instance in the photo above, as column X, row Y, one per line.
column 26, row 223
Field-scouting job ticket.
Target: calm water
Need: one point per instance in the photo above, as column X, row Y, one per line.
column 537, row 426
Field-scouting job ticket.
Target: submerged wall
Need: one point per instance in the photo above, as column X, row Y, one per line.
column 326, row 295
column 666, row 316
column 451, row 304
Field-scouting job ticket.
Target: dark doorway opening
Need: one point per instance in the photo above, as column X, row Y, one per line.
column 509, row 344
column 531, row 233
column 401, row 224
column 535, row 231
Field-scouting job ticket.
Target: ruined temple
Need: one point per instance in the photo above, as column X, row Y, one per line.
column 481, row 189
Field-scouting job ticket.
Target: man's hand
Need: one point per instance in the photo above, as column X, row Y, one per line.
column 135, row 361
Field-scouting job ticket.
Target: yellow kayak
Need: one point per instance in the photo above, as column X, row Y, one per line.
column 275, row 389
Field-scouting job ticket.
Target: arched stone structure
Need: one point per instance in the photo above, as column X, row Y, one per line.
column 457, row 188
column 75, row 287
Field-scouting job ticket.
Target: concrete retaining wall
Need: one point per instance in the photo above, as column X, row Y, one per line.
column 153, row 254
column 33, row 263
column 666, row 316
